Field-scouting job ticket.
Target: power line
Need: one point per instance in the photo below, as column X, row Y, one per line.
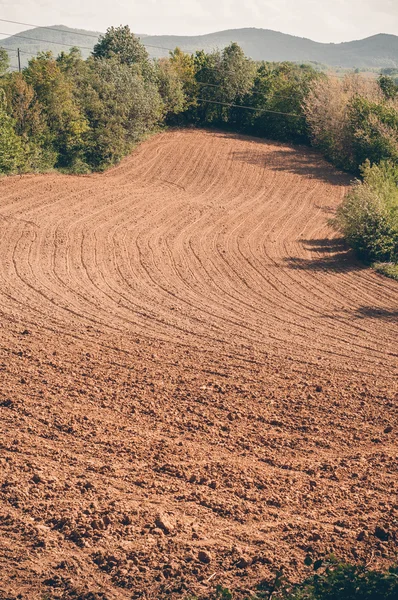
column 144, row 44
column 251, row 92
column 24, row 37
column 50, row 27
column 21, row 51
column 275, row 112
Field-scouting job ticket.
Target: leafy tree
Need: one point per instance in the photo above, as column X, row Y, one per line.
column 330, row 123
column 55, row 92
column 374, row 129
column 222, row 78
column 280, row 88
column 368, row 216
column 119, row 104
column 30, row 123
column 4, row 61
column 69, row 62
column 207, row 76
column 122, row 43
column 171, row 88
column 388, row 86
column 11, row 148
column 184, row 66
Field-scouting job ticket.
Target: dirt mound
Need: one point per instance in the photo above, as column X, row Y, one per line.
column 198, row 381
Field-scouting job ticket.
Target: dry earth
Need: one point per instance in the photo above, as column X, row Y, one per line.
column 198, row 381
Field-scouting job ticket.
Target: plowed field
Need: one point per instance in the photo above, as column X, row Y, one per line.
column 198, row 381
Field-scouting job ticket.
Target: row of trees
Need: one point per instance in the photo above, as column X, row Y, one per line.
column 84, row 115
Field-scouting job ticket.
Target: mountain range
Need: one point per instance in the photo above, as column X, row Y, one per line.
column 375, row 52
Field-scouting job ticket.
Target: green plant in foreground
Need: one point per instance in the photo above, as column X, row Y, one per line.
column 331, row 580
column 368, row 216
column 387, row 269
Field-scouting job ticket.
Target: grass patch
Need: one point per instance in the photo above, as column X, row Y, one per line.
column 388, row 269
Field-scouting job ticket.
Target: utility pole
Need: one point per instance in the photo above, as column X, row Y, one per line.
column 19, row 60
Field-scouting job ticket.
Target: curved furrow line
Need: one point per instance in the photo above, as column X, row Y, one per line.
column 198, row 238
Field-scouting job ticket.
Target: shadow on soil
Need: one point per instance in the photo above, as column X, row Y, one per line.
column 333, row 256
column 377, row 313
column 296, row 159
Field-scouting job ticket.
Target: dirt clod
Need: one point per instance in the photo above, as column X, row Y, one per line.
column 204, row 556
column 207, row 379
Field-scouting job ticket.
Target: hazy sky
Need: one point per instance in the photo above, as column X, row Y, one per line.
column 321, row 20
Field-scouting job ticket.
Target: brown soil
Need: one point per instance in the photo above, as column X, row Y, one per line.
column 197, row 378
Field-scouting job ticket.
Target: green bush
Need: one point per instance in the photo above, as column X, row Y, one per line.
column 347, row 582
column 368, row 216
column 331, row 580
column 387, row 269
column 11, row 147
column 374, row 130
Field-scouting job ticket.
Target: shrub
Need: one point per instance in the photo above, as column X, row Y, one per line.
column 347, row 582
column 374, row 129
column 280, row 88
column 387, row 269
column 331, row 580
column 368, row 216
column 327, row 112
column 120, row 106
column 11, row 148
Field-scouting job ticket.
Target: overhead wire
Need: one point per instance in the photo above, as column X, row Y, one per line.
column 205, row 84
column 24, row 37
column 252, row 108
column 50, row 27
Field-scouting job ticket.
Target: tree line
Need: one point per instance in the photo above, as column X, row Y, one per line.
column 84, row 115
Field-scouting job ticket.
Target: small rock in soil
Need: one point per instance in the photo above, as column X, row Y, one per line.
column 163, row 523
column 204, row 557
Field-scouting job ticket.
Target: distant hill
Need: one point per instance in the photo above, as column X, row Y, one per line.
column 378, row 51
column 39, row 39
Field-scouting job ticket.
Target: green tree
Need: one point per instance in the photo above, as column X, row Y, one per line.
column 368, row 216
column 184, row 65
column 122, row 43
column 120, row 106
column 170, row 87
column 280, row 88
column 69, row 62
column 207, row 76
column 388, row 86
column 12, row 156
column 4, row 61
column 55, row 92
column 221, row 78
column 374, row 128
column 30, row 123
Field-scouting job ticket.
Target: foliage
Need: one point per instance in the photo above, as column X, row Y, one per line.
column 388, row 86
column 341, row 581
column 171, row 88
column 81, row 115
column 222, row 78
column 330, row 580
column 55, row 92
column 120, row 42
column 368, row 216
column 119, row 106
column 387, row 269
column 30, row 124
column 280, row 88
column 11, row 148
column 329, row 119
column 374, row 130
column 4, row 61
column 184, row 66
